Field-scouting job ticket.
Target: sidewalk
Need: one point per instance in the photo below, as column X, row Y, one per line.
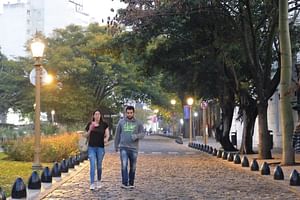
column 276, row 154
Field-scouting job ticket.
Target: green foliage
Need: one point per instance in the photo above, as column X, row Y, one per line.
column 49, row 129
column 8, row 133
column 11, row 170
column 53, row 148
column 13, row 84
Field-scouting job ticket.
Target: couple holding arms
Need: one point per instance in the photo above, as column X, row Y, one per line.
column 128, row 132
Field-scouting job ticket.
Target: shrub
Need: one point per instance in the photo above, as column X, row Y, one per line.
column 53, row 148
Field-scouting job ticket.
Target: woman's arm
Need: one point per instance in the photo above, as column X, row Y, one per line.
column 106, row 135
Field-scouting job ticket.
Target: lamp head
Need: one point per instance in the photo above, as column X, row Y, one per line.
column 190, row 101
column 173, row 101
column 37, row 48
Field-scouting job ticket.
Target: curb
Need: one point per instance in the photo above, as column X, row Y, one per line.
column 54, row 186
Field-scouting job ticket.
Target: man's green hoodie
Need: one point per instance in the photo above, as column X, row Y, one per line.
column 128, row 133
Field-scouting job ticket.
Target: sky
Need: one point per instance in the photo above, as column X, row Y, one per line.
column 99, row 9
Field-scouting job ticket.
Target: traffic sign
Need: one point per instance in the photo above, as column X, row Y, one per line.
column 204, row 104
column 44, row 75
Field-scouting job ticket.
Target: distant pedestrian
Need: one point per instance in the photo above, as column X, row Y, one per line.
column 98, row 135
column 128, row 133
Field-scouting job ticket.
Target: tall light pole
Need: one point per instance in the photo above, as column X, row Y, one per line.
column 37, row 50
column 156, row 124
column 195, row 123
column 173, row 102
column 190, row 102
column 52, row 116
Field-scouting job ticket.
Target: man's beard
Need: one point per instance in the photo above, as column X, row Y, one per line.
column 131, row 117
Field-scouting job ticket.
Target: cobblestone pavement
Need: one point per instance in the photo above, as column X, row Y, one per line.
column 188, row 174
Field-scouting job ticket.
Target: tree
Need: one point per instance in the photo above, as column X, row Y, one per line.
column 288, row 156
column 190, row 48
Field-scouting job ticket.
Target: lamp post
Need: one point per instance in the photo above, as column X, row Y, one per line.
column 156, row 124
column 173, row 102
column 195, row 123
column 52, row 116
column 190, row 102
column 181, row 121
column 37, row 50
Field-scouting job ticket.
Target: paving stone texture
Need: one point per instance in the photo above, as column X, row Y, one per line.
column 177, row 172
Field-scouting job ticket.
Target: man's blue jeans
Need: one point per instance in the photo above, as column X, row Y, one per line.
column 96, row 155
column 125, row 155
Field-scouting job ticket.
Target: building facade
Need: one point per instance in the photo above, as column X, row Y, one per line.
column 22, row 19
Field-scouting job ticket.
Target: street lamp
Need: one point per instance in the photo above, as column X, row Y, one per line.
column 195, row 127
column 181, row 121
column 52, row 116
column 37, row 50
column 190, row 102
column 173, row 102
column 156, row 124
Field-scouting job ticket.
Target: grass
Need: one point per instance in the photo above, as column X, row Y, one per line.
column 11, row 170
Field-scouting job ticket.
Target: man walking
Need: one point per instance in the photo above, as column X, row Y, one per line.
column 128, row 132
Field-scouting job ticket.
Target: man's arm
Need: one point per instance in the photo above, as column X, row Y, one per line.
column 117, row 136
column 140, row 133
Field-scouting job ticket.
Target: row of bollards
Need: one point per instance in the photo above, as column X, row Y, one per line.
column 35, row 182
column 254, row 166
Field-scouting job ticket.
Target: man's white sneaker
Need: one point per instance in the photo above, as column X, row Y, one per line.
column 131, row 186
column 98, row 185
column 92, row 186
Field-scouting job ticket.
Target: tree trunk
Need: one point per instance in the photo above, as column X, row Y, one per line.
column 286, row 121
column 249, row 116
column 264, row 147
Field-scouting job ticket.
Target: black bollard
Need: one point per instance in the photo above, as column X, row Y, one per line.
column 63, row 166
column 254, row 165
column 77, row 159
column 46, row 176
column 245, row 161
column 70, row 163
column 224, row 155
column 215, row 151
column 19, row 189
column 278, row 173
column 198, row 146
column 56, row 170
column 74, row 160
column 295, row 178
column 230, row 157
column 265, row 169
column 2, row 194
column 210, row 151
column 237, row 159
column 34, row 181
column 201, row 147
column 219, row 154
column 207, row 148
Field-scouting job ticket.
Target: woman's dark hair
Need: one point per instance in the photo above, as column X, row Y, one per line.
column 101, row 117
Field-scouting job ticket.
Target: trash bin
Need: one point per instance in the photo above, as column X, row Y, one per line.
column 233, row 138
column 271, row 138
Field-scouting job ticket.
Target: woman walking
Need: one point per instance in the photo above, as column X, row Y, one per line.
column 97, row 134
